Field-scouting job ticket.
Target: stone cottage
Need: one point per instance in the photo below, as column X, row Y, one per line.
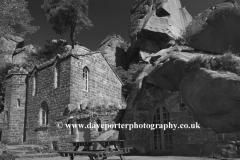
column 77, row 87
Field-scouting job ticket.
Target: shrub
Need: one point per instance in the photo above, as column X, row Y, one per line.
column 129, row 77
column 215, row 156
column 7, row 156
column 227, row 62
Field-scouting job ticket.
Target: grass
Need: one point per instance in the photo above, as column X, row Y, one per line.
column 227, row 62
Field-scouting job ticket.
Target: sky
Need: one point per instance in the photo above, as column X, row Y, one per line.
column 108, row 16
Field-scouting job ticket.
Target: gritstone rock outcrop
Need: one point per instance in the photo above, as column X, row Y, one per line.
column 216, row 30
column 214, row 98
column 8, row 44
column 154, row 25
column 211, row 94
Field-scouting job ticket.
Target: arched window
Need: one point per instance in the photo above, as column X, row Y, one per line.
column 57, row 76
column 34, row 84
column 162, row 139
column 85, row 78
column 18, row 103
column 43, row 118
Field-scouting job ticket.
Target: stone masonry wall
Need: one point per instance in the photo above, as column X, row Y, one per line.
column 57, row 100
column 104, row 86
column 104, row 89
column 14, row 110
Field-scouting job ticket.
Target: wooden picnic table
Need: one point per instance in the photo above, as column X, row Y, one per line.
column 118, row 150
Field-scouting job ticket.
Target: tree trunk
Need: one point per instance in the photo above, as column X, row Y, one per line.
column 72, row 38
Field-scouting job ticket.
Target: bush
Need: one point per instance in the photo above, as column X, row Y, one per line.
column 129, row 77
column 215, row 156
column 226, row 62
column 7, row 156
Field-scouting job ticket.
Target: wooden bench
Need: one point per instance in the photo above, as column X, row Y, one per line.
column 96, row 154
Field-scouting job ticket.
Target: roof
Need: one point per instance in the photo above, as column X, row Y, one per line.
column 51, row 61
column 113, row 35
column 112, row 69
column 76, row 55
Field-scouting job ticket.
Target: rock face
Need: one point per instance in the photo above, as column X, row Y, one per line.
column 210, row 98
column 20, row 54
column 153, row 24
column 8, row 45
column 167, row 91
column 114, row 49
column 169, row 72
column 218, row 29
column 12, row 50
column 214, row 98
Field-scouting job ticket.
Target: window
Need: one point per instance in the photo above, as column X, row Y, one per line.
column 34, row 84
column 18, row 103
column 44, row 114
column 85, row 78
column 57, row 76
column 162, row 139
column 6, row 116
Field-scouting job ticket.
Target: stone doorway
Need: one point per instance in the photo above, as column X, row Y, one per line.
column 162, row 140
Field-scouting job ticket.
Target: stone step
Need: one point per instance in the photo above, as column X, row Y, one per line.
column 38, row 155
column 21, row 152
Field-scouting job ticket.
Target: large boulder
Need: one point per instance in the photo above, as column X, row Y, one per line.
column 8, row 44
column 167, row 17
column 216, row 29
column 214, row 98
column 21, row 54
column 154, row 25
column 169, row 70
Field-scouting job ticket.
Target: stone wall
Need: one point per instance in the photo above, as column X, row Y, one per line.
column 104, row 86
column 104, row 91
column 57, row 100
column 14, row 110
